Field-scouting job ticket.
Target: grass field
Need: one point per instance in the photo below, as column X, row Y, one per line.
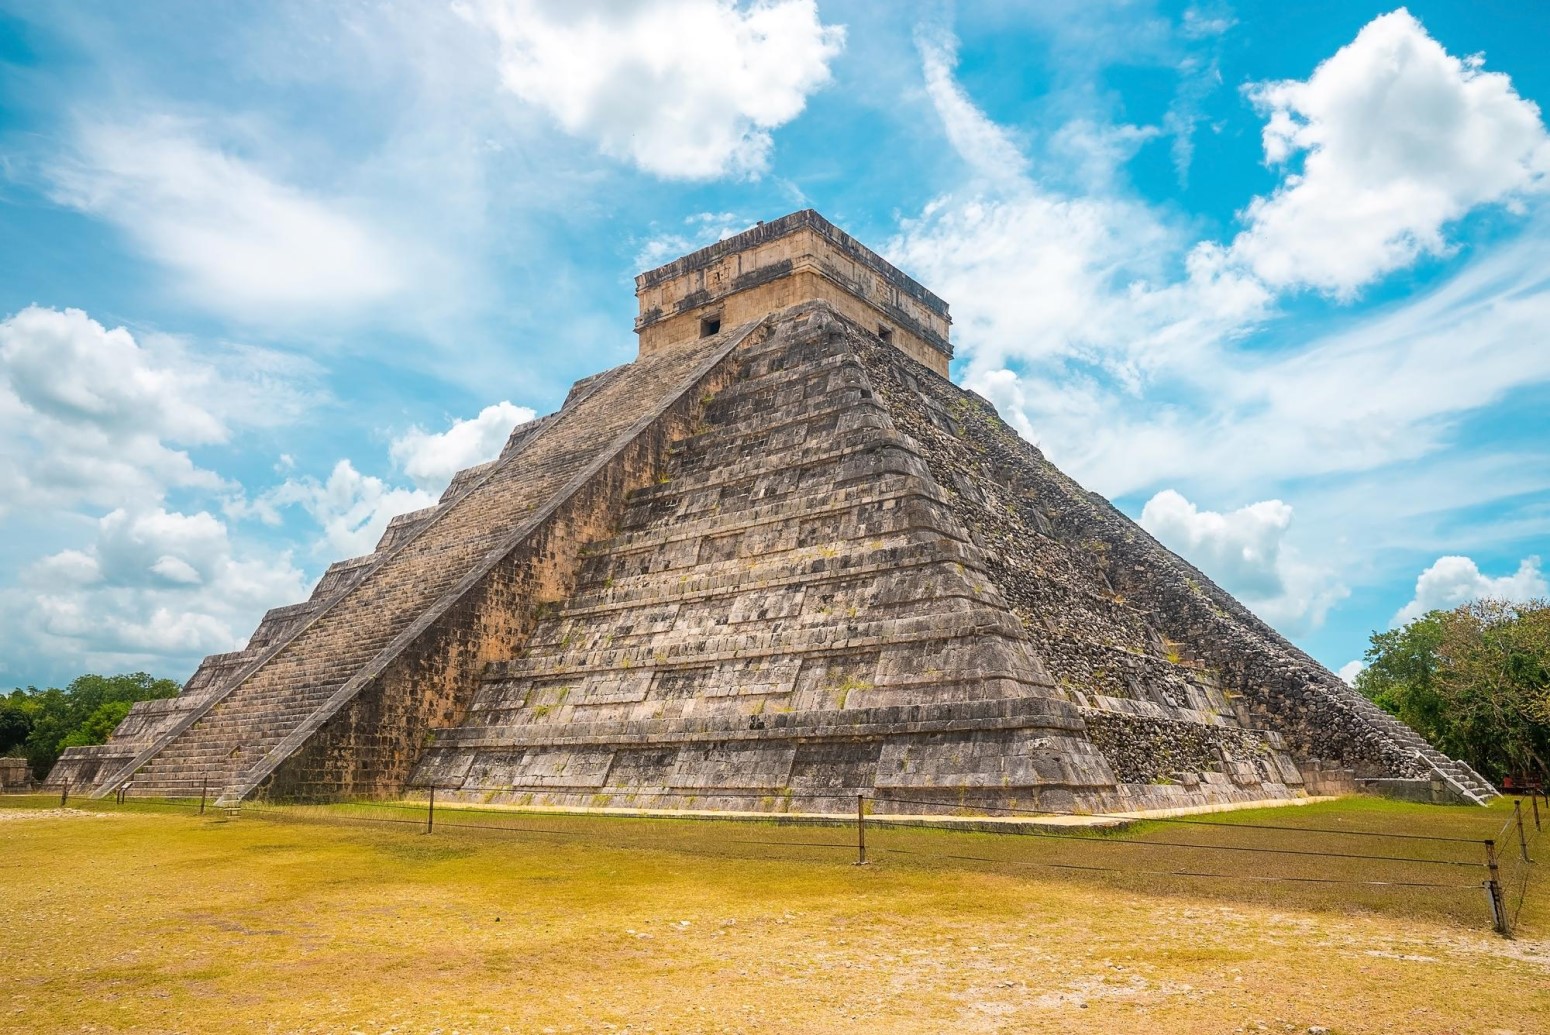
column 145, row 920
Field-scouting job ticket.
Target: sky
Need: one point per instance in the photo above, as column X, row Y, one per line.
column 1274, row 278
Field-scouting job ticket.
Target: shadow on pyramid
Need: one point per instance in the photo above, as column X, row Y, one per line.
column 776, row 562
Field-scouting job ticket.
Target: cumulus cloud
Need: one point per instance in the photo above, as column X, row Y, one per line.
column 1398, row 138
column 351, row 509
column 1246, row 551
column 153, row 587
column 684, row 89
column 1109, row 333
column 430, row 460
column 1451, row 581
column 1350, row 670
column 95, row 416
column 234, row 237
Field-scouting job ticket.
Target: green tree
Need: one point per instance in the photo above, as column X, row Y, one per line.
column 1401, row 675
column 85, row 712
column 16, row 714
column 98, row 726
column 1475, row 681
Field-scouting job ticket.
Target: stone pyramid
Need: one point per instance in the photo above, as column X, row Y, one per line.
column 777, row 560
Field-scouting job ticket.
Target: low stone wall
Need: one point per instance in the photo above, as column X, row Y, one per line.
column 1433, row 791
column 1323, row 780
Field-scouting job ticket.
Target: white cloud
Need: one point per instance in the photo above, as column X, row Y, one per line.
column 1109, row 334
column 1350, row 670
column 1246, row 551
column 1451, row 581
column 352, row 509
column 154, row 587
column 96, row 419
column 1036, row 275
column 987, row 147
column 682, row 88
column 92, row 415
column 431, row 460
column 1398, row 138
column 700, row 230
column 235, row 238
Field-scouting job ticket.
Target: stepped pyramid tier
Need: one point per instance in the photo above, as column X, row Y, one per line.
column 777, row 560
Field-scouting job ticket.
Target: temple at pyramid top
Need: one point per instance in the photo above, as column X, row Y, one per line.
column 797, row 258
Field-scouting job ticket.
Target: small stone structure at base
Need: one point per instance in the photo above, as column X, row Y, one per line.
column 15, row 774
column 778, row 560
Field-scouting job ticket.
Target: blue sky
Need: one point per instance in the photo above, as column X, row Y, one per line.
column 1275, row 278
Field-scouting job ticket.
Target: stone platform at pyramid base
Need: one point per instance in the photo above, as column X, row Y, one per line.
column 919, row 759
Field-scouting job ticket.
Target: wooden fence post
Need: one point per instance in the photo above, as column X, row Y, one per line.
column 860, row 830
column 1517, row 812
column 1493, row 888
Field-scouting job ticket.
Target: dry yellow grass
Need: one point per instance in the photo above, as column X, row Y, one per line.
column 155, row 921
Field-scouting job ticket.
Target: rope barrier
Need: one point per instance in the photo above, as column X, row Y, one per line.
column 1191, row 822
column 1187, row 873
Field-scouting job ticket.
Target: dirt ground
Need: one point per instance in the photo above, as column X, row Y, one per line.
column 165, row 921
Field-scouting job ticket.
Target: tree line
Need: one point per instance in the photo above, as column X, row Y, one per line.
column 1475, row 681
column 39, row 724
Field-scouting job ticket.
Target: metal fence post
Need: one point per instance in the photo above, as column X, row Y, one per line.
column 430, row 813
column 1517, row 812
column 1493, row 888
column 64, row 794
column 1535, row 800
column 860, row 830
column 204, row 792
